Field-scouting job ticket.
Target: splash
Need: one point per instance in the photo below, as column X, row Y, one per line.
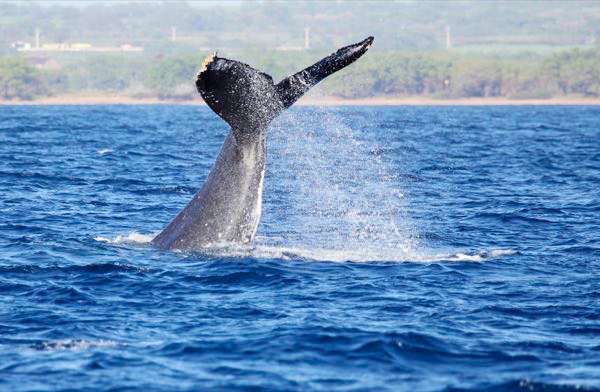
column 262, row 251
column 339, row 193
column 338, row 198
column 133, row 238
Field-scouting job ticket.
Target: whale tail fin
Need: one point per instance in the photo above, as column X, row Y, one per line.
column 248, row 99
column 293, row 87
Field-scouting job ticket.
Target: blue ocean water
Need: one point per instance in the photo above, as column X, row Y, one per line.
column 401, row 248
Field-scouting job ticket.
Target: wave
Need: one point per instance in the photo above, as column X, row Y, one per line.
column 479, row 255
column 73, row 344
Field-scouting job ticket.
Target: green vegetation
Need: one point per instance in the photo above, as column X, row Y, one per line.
column 18, row 80
column 431, row 74
column 449, row 75
column 575, row 72
column 173, row 78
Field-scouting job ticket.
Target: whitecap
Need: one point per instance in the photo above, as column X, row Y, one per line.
column 132, row 238
column 74, row 345
column 104, row 151
column 476, row 256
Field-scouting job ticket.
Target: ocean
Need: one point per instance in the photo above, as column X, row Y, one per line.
column 400, row 249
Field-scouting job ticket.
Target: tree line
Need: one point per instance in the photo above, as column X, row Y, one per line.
column 431, row 74
column 396, row 24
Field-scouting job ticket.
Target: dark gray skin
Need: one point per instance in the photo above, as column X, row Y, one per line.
column 227, row 209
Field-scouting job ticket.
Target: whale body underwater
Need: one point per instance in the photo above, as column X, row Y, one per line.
column 227, row 209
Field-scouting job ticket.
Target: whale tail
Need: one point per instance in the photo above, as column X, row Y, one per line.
column 247, row 99
column 227, row 208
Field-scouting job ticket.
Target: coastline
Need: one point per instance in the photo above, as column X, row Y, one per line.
column 312, row 101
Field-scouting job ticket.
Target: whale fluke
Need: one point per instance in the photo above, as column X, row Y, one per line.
column 247, row 98
column 227, row 208
column 293, row 87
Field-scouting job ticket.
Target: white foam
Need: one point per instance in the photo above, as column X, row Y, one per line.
column 264, row 251
column 477, row 256
column 131, row 238
column 75, row 344
column 104, row 151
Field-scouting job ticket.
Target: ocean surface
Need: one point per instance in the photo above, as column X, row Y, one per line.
column 400, row 249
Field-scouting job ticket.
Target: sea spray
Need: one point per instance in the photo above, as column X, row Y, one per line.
column 337, row 188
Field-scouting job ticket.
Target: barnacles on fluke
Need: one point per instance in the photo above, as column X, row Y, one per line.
column 206, row 62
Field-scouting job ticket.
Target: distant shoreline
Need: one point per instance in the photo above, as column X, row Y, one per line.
column 313, row 101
